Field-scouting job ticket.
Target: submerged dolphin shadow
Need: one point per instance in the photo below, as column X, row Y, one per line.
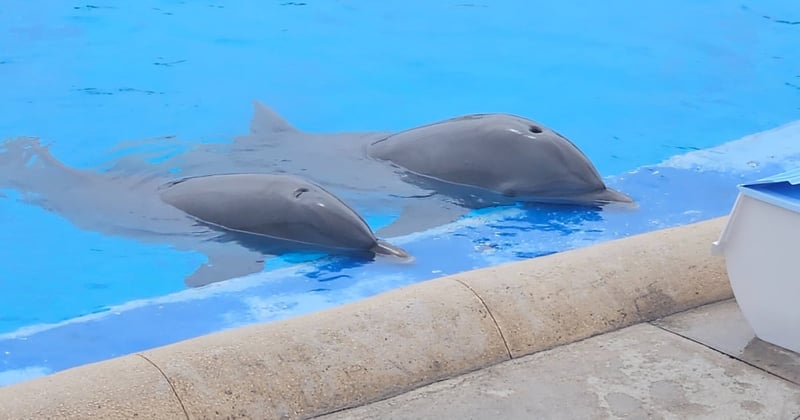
column 236, row 220
column 428, row 175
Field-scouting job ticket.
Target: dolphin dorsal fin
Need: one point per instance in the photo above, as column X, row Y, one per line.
column 267, row 121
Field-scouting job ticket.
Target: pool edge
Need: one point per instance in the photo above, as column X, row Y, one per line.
column 396, row 341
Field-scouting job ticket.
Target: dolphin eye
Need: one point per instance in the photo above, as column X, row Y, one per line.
column 535, row 129
column 298, row 192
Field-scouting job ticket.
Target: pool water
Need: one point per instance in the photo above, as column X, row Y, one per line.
column 654, row 94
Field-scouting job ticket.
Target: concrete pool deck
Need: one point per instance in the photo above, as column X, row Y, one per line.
column 405, row 339
column 702, row 363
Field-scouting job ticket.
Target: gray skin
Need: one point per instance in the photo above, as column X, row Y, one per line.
column 428, row 176
column 504, row 154
column 287, row 208
column 237, row 220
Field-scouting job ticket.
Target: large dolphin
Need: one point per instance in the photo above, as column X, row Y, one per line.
column 237, row 220
column 502, row 153
column 427, row 176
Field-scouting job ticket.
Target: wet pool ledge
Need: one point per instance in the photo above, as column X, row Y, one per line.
column 394, row 342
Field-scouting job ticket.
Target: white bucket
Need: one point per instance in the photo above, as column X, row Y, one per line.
column 761, row 245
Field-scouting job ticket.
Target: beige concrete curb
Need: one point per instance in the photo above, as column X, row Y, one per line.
column 118, row 388
column 566, row 297
column 394, row 342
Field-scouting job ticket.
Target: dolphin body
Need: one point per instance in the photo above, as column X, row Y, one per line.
column 427, row 176
column 282, row 207
column 500, row 153
column 237, row 220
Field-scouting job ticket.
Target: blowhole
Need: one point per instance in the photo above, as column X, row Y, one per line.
column 298, row 192
column 535, row 129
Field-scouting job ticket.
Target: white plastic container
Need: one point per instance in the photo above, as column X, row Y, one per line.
column 761, row 246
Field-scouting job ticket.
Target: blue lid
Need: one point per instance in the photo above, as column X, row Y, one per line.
column 782, row 190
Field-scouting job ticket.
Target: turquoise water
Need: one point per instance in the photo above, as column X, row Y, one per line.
column 632, row 84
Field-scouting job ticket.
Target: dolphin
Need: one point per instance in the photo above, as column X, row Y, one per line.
column 236, row 220
column 424, row 177
column 282, row 207
column 502, row 153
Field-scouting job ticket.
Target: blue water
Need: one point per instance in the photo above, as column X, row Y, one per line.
column 632, row 83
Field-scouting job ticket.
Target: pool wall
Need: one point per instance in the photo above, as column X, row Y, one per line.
column 396, row 341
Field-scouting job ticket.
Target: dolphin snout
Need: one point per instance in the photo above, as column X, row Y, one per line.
column 385, row 248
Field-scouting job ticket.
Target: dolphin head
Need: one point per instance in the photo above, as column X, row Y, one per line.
column 321, row 217
column 542, row 164
column 502, row 153
column 285, row 207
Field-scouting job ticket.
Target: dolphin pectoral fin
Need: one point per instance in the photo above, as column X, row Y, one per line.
column 225, row 265
column 423, row 214
column 266, row 121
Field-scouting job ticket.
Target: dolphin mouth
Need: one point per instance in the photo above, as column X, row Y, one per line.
column 611, row 199
column 600, row 198
column 613, row 196
column 385, row 248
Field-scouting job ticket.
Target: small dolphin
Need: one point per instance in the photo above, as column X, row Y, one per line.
column 282, row 207
column 502, row 153
column 236, row 220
